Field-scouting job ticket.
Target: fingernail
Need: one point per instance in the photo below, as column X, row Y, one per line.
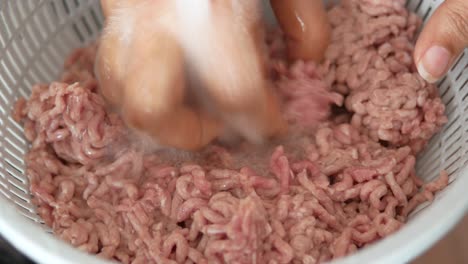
column 434, row 63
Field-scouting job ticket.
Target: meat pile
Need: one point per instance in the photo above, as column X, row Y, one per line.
column 370, row 61
column 342, row 185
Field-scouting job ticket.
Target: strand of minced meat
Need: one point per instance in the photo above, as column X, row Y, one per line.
column 324, row 195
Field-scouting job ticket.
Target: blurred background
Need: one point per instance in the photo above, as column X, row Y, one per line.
column 452, row 249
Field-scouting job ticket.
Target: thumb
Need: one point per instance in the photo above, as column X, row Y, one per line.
column 442, row 40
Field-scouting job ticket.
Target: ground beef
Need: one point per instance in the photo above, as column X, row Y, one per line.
column 330, row 189
column 370, row 61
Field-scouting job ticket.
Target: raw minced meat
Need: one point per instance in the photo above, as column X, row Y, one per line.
column 328, row 190
column 370, row 61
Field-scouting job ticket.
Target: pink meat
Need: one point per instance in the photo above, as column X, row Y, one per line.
column 371, row 57
column 305, row 96
column 328, row 190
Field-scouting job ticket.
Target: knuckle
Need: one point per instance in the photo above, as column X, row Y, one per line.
column 458, row 16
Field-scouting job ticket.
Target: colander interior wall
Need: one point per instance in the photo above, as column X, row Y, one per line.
column 36, row 36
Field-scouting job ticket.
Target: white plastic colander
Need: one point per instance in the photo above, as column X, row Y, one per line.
column 35, row 37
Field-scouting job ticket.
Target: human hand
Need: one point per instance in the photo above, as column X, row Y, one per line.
column 306, row 27
column 442, row 40
column 142, row 67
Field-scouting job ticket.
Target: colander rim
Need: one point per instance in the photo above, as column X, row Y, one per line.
column 406, row 244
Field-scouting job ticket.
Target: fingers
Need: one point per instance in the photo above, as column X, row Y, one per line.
column 144, row 73
column 140, row 68
column 222, row 53
column 443, row 38
column 114, row 45
column 154, row 78
column 229, row 64
column 306, row 27
column 185, row 128
column 154, row 95
column 239, row 91
column 107, row 6
column 109, row 68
